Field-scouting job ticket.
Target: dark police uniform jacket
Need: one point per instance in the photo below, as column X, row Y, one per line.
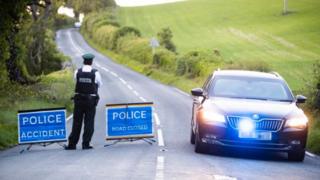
column 87, row 86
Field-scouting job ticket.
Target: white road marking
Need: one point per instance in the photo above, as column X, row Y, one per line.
column 114, row 74
column 70, row 117
column 74, row 44
column 156, row 117
column 136, row 93
column 160, row 138
column 97, row 64
column 107, row 70
column 123, row 81
column 221, row 177
column 181, row 92
column 160, row 168
column 130, row 87
column 310, row 154
column 142, row 99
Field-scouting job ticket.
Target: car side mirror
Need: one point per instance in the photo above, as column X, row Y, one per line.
column 197, row 92
column 300, row 99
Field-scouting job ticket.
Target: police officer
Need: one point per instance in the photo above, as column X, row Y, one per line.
column 86, row 98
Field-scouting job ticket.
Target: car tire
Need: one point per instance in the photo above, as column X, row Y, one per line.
column 199, row 147
column 192, row 137
column 296, row 155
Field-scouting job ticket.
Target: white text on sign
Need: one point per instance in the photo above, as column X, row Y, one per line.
column 50, row 119
column 129, row 115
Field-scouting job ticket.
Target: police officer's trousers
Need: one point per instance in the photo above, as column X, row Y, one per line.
column 84, row 110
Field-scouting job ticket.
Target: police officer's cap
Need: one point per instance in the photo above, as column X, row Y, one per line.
column 88, row 56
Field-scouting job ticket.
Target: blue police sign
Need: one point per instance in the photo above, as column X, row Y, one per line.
column 38, row 126
column 132, row 120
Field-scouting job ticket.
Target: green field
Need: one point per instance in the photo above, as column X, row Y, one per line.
column 241, row 30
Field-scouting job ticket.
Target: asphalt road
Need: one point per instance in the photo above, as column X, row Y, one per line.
column 171, row 157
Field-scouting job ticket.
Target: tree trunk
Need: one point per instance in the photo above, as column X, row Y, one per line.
column 14, row 72
column 34, row 10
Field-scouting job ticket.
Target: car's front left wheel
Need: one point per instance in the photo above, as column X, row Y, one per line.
column 192, row 137
column 200, row 147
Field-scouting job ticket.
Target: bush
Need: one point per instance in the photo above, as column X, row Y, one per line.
column 123, row 31
column 165, row 38
column 136, row 48
column 104, row 36
column 93, row 21
column 61, row 21
column 312, row 88
column 51, row 58
column 197, row 63
column 249, row 65
column 164, row 59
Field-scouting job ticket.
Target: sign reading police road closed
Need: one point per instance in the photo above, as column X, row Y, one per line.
column 132, row 120
column 39, row 126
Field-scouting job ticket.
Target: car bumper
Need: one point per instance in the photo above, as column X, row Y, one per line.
column 284, row 140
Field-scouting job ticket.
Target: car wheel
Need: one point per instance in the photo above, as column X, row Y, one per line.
column 192, row 137
column 297, row 155
column 200, row 147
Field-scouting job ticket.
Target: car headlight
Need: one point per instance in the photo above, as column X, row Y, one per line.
column 297, row 122
column 211, row 117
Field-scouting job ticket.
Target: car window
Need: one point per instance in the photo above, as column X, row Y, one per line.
column 250, row 88
column 206, row 84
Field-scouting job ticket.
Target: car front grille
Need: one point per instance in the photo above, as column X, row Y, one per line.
column 262, row 124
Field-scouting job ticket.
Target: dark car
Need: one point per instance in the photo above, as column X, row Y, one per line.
column 247, row 109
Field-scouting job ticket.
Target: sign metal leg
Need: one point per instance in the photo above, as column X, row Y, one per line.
column 41, row 144
column 147, row 140
column 26, row 149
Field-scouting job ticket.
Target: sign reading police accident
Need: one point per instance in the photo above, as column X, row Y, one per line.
column 38, row 126
column 132, row 120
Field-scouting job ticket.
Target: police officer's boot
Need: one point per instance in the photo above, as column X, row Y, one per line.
column 86, row 146
column 69, row 147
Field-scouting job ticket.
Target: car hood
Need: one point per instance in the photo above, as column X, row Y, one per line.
column 247, row 107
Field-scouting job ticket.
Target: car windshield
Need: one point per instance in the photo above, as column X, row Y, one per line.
column 250, row 88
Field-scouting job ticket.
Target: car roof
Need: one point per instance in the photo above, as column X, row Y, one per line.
column 245, row 73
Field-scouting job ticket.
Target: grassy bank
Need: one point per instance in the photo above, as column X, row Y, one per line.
column 240, row 30
column 54, row 90
column 165, row 77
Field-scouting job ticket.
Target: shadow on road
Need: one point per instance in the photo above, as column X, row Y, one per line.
column 249, row 154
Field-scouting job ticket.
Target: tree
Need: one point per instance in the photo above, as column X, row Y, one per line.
column 86, row 6
column 12, row 14
column 165, row 38
column 24, row 24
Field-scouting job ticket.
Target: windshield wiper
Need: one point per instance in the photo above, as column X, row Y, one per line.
column 238, row 97
column 256, row 98
column 282, row 100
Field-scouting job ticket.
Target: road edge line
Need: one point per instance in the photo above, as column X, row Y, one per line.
column 70, row 117
column 160, row 138
column 181, row 92
column 311, row 154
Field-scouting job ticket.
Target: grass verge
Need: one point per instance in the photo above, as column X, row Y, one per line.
column 54, row 90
